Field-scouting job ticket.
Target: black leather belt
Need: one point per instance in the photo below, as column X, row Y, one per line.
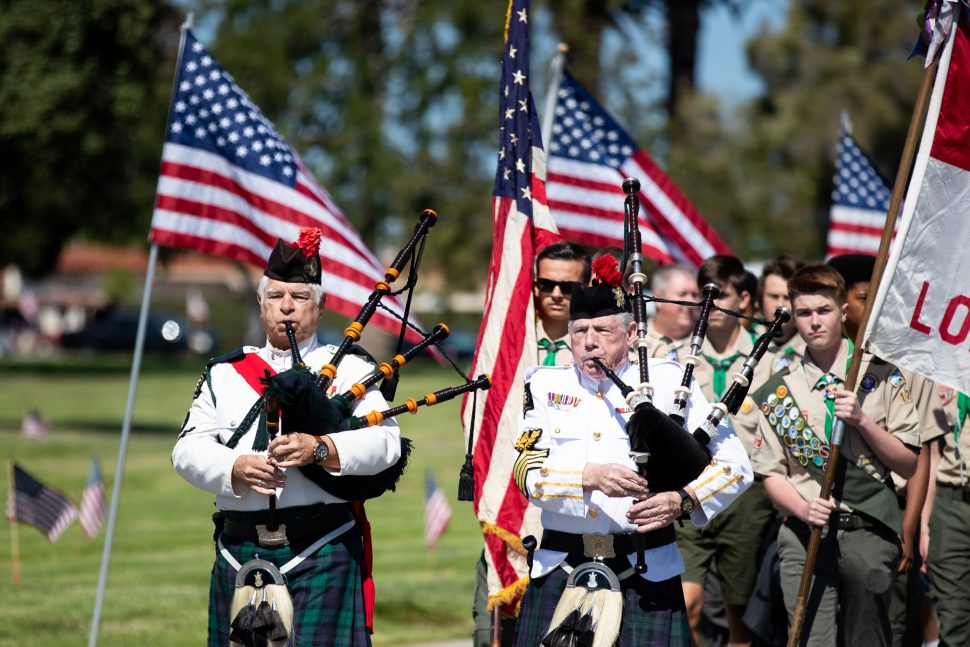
column 301, row 524
column 604, row 545
column 953, row 492
column 855, row 521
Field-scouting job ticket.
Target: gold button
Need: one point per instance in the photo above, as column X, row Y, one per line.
column 593, row 513
column 600, row 395
column 713, row 461
column 726, row 469
column 544, row 472
column 596, row 435
column 556, row 430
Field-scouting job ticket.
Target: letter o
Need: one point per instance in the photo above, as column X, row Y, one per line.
column 956, row 302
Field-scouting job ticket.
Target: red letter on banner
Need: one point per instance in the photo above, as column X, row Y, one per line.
column 951, row 308
column 915, row 323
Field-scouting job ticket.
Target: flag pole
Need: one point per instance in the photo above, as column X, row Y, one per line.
column 555, row 80
column 14, row 533
column 130, row 404
column 852, row 374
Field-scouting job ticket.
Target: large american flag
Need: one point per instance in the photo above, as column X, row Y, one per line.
column 860, row 200
column 521, row 226
column 93, row 511
column 589, row 157
column 230, row 185
column 437, row 512
column 30, row 501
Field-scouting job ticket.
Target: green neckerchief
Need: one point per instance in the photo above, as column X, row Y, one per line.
column 963, row 410
column 721, row 367
column 551, row 349
column 824, row 382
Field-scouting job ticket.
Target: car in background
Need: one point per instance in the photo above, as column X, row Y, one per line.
column 117, row 331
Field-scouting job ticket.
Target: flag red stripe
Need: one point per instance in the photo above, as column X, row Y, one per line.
column 952, row 127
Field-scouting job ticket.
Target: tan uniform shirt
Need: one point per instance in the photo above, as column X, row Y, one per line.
column 664, row 347
column 745, row 422
column 929, row 408
column 948, row 472
column 564, row 355
column 881, row 395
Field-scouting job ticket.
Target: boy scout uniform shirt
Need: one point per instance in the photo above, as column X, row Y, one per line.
column 662, row 346
column 929, row 410
column 948, row 471
column 564, row 352
column 570, row 420
column 781, row 356
column 201, row 457
column 745, row 421
column 882, row 398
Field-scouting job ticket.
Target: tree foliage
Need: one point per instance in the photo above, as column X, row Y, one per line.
column 84, row 101
column 764, row 176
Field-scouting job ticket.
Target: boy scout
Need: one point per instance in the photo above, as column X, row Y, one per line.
column 733, row 539
column 860, row 547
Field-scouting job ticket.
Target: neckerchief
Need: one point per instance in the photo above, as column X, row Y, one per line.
column 825, row 382
column 963, row 410
column 551, row 348
column 721, row 367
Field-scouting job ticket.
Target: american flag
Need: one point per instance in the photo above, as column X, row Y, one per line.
column 860, row 200
column 31, row 502
column 230, row 185
column 437, row 512
column 521, row 226
column 589, row 157
column 93, row 511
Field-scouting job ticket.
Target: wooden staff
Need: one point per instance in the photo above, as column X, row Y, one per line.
column 835, row 446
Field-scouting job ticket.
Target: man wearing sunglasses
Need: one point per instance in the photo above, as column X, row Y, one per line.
column 560, row 267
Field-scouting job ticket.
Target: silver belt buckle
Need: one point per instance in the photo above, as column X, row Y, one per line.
column 271, row 538
column 598, row 546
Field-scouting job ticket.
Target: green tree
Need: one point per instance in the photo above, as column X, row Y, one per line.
column 764, row 175
column 84, row 98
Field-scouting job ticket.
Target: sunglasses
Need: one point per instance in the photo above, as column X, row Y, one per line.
column 548, row 285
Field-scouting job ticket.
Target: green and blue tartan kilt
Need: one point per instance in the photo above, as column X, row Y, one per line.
column 653, row 612
column 327, row 591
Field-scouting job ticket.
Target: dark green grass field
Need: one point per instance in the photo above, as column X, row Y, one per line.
column 158, row 580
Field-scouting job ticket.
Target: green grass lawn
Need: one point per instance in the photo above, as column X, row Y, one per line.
column 158, row 580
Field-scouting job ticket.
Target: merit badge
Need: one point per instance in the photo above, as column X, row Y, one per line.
column 897, row 379
column 781, row 391
column 747, row 405
column 772, row 399
column 868, row 383
column 765, row 408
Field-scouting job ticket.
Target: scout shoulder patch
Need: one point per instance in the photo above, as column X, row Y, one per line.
column 897, row 379
column 868, row 383
column 527, row 403
column 528, row 439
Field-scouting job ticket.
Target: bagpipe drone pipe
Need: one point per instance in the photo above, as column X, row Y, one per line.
column 300, row 396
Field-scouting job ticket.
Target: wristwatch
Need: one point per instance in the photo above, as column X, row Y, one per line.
column 321, row 451
column 686, row 502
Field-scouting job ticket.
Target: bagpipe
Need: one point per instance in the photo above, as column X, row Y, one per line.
column 664, row 454
column 299, row 397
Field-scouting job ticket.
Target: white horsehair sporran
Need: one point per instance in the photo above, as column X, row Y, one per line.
column 262, row 609
column 590, row 610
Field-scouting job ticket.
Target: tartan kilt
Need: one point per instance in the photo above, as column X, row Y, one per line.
column 327, row 591
column 653, row 612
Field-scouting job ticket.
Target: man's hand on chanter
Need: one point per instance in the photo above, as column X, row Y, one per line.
column 614, row 480
column 256, row 473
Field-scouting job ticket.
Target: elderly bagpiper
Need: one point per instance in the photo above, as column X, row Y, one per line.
column 283, row 542
column 575, row 464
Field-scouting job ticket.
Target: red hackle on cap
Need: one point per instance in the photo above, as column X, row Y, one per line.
column 607, row 270
column 309, row 241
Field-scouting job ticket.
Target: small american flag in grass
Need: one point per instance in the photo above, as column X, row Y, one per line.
column 93, row 510
column 30, row 501
column 437, row 512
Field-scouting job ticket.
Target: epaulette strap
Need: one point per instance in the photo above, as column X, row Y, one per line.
column 231, row 356
column 360, row 351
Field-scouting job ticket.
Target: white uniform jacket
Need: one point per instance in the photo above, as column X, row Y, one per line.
column 583, row 421
column 201, row 457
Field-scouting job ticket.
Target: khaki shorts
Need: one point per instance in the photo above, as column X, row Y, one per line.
column 733, row 538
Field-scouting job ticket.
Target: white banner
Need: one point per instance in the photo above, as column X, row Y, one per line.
column 921, row 318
